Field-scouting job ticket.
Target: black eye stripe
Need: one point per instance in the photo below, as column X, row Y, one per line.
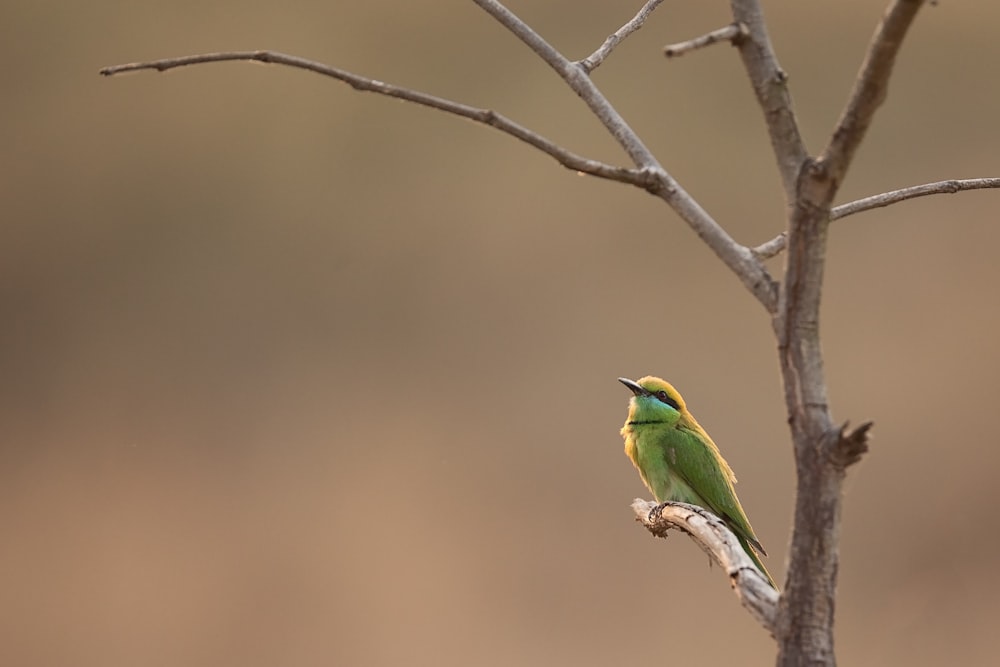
column 664, row 397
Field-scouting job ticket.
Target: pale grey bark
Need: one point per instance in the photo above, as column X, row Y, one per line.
column 720, row 544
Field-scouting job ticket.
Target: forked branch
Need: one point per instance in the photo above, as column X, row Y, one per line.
column 738, row 258
column 578, row 80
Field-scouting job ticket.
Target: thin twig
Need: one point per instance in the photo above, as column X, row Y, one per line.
column 888, row 198
column 771, row 248
column 716, row 539
column 594, row 60
column 870, row 88
column 777, row 244
column 770, row 85
column 729, row 33
column 484, row 116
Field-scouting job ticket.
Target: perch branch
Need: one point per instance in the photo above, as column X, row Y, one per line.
column 594, row 60
column 484, row 116
column 730, row 33
column 870, row 88
column 715, row 539
column 777, row 244
column 770, row 85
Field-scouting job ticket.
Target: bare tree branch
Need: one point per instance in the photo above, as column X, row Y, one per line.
column 731, row 33
column 770, row 85
column 651, row 178
column 484, row 116
column 870, row 88
column 594, row 60
column 715, row 539
column 777, row 244
column 737, row 257
column 649, row 174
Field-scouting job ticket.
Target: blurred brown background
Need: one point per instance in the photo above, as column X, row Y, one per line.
column 293, row 375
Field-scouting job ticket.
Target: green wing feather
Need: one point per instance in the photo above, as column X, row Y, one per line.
column 697, row 461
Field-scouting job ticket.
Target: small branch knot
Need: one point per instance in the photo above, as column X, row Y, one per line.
column 849, row 446
column 655, row 523
column 742, row 34
column 816, row 168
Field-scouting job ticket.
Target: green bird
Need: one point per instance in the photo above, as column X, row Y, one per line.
column 678, row 461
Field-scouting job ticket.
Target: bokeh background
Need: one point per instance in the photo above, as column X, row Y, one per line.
column 293, row 375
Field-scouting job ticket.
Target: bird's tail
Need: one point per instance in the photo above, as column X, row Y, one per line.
column 756, row 560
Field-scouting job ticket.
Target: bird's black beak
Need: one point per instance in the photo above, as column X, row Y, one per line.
column 634, row 387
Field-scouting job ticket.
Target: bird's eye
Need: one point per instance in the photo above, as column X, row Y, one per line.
column 664, row 397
